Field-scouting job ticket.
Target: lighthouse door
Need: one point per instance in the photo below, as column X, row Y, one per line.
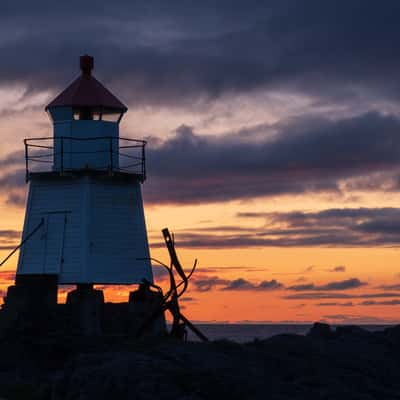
column 54, row 245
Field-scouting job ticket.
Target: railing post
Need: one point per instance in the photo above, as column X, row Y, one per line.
column 111, row 153
column 62, row 154
column 26, row 161
column 143, row 162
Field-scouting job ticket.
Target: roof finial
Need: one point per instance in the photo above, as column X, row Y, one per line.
column 87, row 64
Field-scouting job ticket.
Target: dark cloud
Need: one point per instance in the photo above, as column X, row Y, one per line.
column 270, row 285
column 394, row 302
column 203, row 48
column 16, row 158
column 339, row 268
column 239, row 284
column 305, row 156
column 332, row 295
column 235, row 268
column 159, row 273
column 9, row 234
column 243, row 284
column 395, row 286
column 204, row 284
column 16, row 199
column 328, row 228
column 187, row 299
column 334, row 304
column 357, row 319
column 351, row 283
column 7, row 246
column 13, row 180
column 7, row 276
column 9, row 239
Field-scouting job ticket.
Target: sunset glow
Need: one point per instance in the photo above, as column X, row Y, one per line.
column 284, row 185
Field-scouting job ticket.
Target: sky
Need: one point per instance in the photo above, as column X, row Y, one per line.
column 273, row 134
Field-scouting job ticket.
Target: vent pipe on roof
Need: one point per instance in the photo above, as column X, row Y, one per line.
column 87, row 64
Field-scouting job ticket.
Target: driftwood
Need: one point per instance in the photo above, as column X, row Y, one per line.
column 171, row 298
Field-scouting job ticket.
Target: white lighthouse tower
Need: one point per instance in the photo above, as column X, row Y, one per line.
column 84, row 210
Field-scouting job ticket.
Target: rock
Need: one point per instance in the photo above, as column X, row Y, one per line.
column 85, row 306
column 146, row 317
column 349, row 363
column 393, row 334
column 321, row 331
column 352, row 330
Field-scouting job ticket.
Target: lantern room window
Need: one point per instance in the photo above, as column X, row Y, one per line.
column 86, row 113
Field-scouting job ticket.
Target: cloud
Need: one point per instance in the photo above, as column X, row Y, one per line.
column 334, row 295
column 10, row 234
column 335, row 304
column 16, row 199
column 243, row 284
column 357, row 319
column 9, row 239
column 205, row 284
column 328, row 49
column 14, row 183
column 305, row 155
column 188, row 299
column 346, row 284
column 339, row 268
column 159, row 273
column 239, row 284
column 7, row 246
column 13, row 180
column 344, row 227
column 237, row 268
column 7, row 277
column 270, row 285
column 395, row 286
column 394, row 302
column 16, row 158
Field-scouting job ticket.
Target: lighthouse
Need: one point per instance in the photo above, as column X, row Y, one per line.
column 84, row 218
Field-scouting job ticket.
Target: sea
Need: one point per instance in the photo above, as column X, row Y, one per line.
column 243, row 333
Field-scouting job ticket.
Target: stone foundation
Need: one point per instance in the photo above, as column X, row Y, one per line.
column 145, row 319
column 30, row 308
column 85, row 307
column 30, row 305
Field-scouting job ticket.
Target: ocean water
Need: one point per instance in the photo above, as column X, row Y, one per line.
column 243, row 333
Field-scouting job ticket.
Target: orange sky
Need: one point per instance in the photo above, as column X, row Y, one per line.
column 289, row 266
column 371, row 266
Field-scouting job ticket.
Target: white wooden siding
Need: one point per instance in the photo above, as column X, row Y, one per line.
column 103, row 238
column 76, row 154
column 54, row 226
column 47, row 197
column 118, row 240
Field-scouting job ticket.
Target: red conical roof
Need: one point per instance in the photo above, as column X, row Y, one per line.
column 87, row 91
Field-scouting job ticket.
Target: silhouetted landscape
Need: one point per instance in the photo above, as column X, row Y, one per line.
column 347, row 362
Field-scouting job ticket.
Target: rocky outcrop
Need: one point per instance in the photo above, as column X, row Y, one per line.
column 343, row 363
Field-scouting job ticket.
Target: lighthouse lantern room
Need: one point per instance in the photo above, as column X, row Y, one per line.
column 84, row 215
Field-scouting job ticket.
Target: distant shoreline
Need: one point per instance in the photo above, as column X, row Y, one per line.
column 247, row 332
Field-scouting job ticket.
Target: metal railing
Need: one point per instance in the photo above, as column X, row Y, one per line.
column 69, row 154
